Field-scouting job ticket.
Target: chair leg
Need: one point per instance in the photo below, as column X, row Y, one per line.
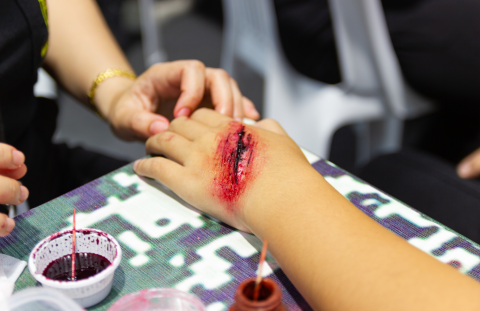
column 153, row 51
column 227, row 61
column 363, row 143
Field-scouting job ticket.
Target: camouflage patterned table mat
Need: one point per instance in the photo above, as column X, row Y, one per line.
column 167, row 243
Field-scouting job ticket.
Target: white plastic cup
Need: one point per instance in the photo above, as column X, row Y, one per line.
column 86, row 292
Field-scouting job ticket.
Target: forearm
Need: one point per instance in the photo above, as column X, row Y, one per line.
column 340, row 259
column 80, row 47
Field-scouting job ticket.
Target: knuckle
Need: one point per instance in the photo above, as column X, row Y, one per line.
column 166, row 137
column 222, row 74
column 154, row 165
column 197, row 64
column 4, row 154
column 199, row 112
column 177, row 121
column 156, row 67
column 136, row 119
column 233, row 82
column 9, row 191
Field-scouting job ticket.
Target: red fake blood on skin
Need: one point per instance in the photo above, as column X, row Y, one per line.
column 235, row 161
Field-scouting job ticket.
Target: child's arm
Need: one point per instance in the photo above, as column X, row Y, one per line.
column 259, row 181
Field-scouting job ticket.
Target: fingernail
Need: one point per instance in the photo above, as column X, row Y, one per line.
column 184, row 112
column 17, row 157
column 238, row 119
column 135, row 165
column 158, row 127
column 23, row 193
column 465, row 170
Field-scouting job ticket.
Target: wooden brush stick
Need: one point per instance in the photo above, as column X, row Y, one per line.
column 263, row 254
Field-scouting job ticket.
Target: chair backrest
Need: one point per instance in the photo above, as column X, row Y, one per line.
column 367, row 59
column 252, row 24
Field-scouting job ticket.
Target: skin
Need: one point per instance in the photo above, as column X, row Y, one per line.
column 236, row 163
column 78, row 32
column 12, row 167
column 470, row 166
column 335, row 255
column 81, row 46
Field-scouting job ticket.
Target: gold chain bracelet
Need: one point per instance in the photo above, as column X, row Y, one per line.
column 109, row 73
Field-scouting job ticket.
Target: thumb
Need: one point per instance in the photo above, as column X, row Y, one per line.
column 134, row 123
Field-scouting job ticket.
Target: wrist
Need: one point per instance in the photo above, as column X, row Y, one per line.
column 281, row 198
column 109, row 92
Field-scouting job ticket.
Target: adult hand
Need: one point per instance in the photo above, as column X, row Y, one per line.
column 12, row 167
column 470, row 166
column 179, row 87
column 222, row 166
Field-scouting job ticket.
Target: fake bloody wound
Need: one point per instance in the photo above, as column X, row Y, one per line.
column 236, row 163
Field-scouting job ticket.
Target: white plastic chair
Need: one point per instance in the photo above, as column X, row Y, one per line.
column 45, row 86
column 311, row 111
column 153, row 51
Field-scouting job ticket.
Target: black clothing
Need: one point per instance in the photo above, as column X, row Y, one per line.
column 431, row 186
column 23, row 33
column 436, row 42
column 29, row 123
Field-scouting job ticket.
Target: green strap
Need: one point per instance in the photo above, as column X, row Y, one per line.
column 43, row 8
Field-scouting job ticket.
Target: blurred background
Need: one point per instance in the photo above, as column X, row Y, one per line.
column 386, row 89
column 188, row 30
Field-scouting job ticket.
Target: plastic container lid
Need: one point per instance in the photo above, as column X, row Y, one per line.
column 41, row 299
column 159, row 299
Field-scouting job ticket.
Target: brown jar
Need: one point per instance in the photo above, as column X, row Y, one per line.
column 269, row 298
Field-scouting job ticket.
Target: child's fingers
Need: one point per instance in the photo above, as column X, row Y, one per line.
column 11, row 191
column 10, row 158
column 16, row 173
column 6, row 225
column 169, row 173
column 188, row 128
column 209, row 117
column 172, row 145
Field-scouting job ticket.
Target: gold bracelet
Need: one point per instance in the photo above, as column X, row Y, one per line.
column 109, row 73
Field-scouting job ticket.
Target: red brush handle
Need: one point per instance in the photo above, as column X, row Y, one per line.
column 73, row 247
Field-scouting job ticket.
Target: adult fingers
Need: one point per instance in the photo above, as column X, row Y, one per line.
column 16, row 173
column 249, row 109
column 209, row 117
column 169, row 173
column 188, row 128
column 136, row 123
column 10, row 158
column 11, row 191
column 192, row 87
column 6, row 225
column 220, row 89
column 270, row 125
column 237, row 101
column 171, row 145
column 470, row 166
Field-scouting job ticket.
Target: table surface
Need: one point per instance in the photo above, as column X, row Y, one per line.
column 167, row 243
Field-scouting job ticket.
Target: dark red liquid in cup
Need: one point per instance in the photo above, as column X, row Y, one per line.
column 86, row 265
